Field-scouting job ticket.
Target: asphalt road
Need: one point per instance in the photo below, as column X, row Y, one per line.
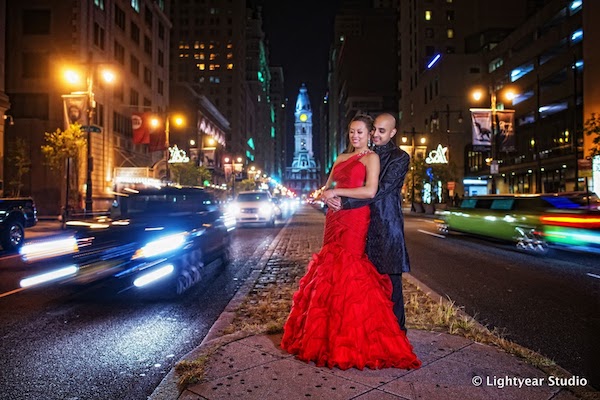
column 547, row 304
column 63, row 343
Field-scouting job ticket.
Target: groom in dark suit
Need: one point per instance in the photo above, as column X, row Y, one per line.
column 386, row 247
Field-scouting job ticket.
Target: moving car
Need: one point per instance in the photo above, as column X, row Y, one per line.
column 163, row 238
column 533, row 222
column 254, row 207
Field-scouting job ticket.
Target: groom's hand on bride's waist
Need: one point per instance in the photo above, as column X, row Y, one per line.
column 335, row 203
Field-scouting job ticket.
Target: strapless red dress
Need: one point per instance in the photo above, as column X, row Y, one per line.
column 342, row 312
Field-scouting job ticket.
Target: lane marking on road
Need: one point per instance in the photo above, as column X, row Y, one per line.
column 593, row 275
column 11, row 292
column 431, row 233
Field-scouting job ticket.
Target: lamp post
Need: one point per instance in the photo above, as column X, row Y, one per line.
column 155, row 122
column 74, row 77
column 495, row 124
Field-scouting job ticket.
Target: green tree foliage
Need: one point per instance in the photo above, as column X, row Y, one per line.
column 591, row 127
column 63, row 145
column 18, row 157
column 246, row 184
column 188, row 174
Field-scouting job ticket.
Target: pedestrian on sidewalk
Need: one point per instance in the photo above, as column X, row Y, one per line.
column 386, row 246
column 341, row 314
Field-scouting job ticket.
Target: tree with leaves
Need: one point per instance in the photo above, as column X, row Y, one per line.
column 18, row 157
column 591, row 127
column 189, row 174
column 62, row 148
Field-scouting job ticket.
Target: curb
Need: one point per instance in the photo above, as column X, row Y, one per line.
column 168, row 388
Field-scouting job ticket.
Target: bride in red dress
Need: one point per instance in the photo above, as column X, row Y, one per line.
column 342, row 312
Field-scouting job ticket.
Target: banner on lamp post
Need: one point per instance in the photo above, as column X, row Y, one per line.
column 506, row 130
column 481, row 123
column 75, row 107
column 140, row 125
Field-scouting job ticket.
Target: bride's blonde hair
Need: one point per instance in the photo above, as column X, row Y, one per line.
column 368, row 121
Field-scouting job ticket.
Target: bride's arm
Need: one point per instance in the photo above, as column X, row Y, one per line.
column 362, row 192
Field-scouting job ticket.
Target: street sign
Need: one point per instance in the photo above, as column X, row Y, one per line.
column 93, row 128
column 494, row 167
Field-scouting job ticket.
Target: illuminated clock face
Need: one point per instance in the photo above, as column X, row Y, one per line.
column 303, row 117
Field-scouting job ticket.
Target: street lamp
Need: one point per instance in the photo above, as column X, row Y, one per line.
column 178, row 120
column 74, row 77
column 509, row 95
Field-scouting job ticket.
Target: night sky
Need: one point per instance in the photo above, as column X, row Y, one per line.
column 298, row 36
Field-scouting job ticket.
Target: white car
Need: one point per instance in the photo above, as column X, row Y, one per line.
column 254, row 207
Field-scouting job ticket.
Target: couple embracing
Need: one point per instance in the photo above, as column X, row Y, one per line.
column 349, row 310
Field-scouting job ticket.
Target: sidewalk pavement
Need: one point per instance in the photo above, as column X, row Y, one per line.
column 255, row 368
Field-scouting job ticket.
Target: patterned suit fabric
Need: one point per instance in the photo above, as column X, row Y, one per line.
column 385, row 240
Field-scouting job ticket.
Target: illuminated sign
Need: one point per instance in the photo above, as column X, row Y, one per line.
column 437, row 156
column 178, row 155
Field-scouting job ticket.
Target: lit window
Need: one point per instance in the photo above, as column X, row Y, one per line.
column 427, row 15
column 201, row 67
column 212, row 56
column 229, row 46
column 202, row 56
column 520, row 71
column 229, row 56
column 201, row 45
column 450, row 33
column 196, row 45
column 577, row 36
column 211, row 67
column 229, row 66
column 211, row 46
column 135, row 4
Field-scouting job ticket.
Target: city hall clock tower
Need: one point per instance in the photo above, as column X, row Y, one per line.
column 303, row 176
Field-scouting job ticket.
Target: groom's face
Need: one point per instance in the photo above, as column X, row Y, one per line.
column 384, row 130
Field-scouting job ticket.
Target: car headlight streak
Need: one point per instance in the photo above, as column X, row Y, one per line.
column 49, row 276
column 154, row 275
column 51, row 248
column 163, row 245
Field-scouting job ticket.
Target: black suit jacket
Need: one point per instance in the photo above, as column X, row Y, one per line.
column 386, row 247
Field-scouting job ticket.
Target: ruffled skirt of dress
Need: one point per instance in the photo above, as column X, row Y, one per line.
column 342, row 316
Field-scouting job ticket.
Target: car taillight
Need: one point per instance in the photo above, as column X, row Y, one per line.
column 574, row 221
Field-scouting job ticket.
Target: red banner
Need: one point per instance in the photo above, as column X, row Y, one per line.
column 158, row 140
column 141, row 128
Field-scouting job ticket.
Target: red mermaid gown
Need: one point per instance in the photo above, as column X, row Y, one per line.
column 342, row 312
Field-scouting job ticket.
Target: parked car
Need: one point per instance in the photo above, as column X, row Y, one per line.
column 169, row 235
column 254, row 207
column 533, row 222
column 16, row 214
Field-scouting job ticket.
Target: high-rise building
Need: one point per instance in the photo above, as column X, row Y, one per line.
column 209, row 53
column 440, row 59
column 362, row 68
column 44, row 39
column 279, row 102
column 258, row 76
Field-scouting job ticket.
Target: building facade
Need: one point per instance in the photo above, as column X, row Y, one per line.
column 362, row 76
column 132, row 38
